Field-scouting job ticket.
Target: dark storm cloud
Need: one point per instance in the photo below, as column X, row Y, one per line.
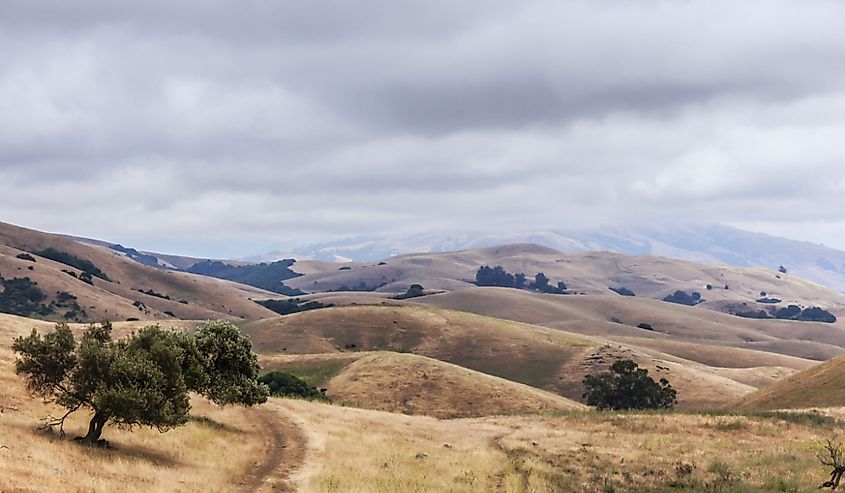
column 209, row 123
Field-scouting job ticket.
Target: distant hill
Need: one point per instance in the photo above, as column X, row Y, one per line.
column 715, row 244
column 735, row 290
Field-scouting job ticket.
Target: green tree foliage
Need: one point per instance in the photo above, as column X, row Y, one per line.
column 142, row 380
column 72, row 260
column 284, row 384
column 626, row 386
column 231, row 366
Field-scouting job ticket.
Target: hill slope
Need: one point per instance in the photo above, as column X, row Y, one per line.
column 820, row 386
column 723, row 288
column 412, row 384
column 185, row 296
column 705, row 243
column 548, row 359
column 619, row 316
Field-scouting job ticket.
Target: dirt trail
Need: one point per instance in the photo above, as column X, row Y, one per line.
column 285, row 446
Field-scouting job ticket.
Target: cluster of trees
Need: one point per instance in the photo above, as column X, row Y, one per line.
column 627, row 386
column 293, row 305
column 142, row 380
column 86, row 266
column 791, row 312
column 682, row 298
column 269, row 276
column 498, row 276
column 22, row 296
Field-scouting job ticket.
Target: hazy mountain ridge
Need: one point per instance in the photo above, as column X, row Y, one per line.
column 716, row 244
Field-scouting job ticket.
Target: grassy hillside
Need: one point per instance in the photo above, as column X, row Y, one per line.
column 592, row 273
column 548, row 359
column 412, row 384
column 819, row 386
column 132, row 291
column 619, row 316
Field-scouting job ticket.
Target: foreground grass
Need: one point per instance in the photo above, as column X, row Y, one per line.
column 368, row 451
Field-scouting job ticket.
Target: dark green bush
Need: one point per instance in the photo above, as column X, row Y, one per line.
column 25, row 256
column 283, row 384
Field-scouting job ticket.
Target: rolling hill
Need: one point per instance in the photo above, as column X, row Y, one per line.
column 722, row 288
column 413, row 384
column 126, row 289
column 703, row 243
column 323, row 343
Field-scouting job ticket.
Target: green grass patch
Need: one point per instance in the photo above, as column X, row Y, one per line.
column 318, row 373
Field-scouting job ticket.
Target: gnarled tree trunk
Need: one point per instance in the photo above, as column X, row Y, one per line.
column 95, row 429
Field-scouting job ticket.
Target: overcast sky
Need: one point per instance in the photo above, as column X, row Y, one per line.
column 229, row 128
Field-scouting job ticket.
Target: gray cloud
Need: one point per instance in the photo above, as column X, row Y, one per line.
column 211, row 128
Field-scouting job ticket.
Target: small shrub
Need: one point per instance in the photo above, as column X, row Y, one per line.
column 25, row 256
column 168, row 312
column 345, row 267
column 645, row 326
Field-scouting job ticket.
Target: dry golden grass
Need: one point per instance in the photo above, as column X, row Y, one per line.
column 411, row 384
column 368, row 451
column 618, row 316
column 820, row 386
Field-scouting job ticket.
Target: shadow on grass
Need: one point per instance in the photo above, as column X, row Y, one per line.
column 108, row 450
column 207, row 422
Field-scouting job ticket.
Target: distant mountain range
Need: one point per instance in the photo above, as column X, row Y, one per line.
column 716, row 244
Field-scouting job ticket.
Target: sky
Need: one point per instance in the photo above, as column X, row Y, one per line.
column 219, row 128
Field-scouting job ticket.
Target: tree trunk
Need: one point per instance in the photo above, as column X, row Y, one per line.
column 95, row 428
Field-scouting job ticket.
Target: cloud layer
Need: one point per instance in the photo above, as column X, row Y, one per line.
column 222, row 129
